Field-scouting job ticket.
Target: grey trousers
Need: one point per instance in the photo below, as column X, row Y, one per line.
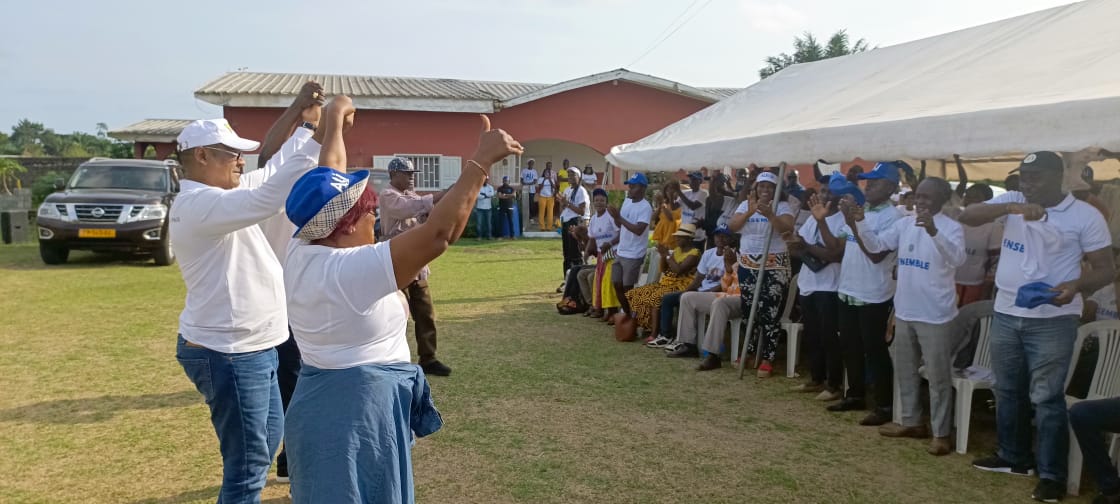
column 694, row 305
column 917, row 344
column 721, row 311
column 585, row 277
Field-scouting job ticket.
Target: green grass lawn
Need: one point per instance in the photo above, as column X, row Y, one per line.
column 540, row 407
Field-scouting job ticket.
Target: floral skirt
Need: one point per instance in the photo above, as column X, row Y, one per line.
column 645, row 301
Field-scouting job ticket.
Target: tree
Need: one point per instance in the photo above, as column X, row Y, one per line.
column 807, row 48
column 9, row 174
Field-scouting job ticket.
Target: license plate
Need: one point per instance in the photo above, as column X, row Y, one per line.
column 97, row 233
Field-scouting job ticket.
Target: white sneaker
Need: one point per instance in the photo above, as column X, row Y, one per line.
column 659, row 342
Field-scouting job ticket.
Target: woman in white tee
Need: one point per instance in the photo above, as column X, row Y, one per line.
column 351, row 420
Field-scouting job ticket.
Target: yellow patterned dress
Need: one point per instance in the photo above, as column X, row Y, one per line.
column 645, row 301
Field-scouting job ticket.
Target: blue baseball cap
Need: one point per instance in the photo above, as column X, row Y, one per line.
column 839, row 185
column 696, row 175
column 722, row 230
column 320, row 198
column 1035, row 294
column 884, row 170
column 400, row 164
column 638, row 178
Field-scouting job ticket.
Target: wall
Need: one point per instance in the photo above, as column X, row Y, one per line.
column 37, row 166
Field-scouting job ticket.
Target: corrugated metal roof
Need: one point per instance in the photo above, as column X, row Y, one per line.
column 366, row 86
column 153, row 127
column 357, row 86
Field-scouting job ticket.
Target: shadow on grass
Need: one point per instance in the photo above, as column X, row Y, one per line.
column 27, row 258
column 206, row 494
column 96, row 409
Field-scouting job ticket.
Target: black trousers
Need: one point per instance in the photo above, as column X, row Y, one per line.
column 423, row 318
column 287, row 373
column 863, row 331
column 572, row 254
column 821, row 318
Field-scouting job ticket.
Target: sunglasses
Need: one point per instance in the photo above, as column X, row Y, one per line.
column 236, row 155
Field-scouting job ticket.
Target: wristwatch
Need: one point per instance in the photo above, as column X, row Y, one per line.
column 308, row 126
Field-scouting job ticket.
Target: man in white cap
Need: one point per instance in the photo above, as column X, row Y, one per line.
column 403, row 209
column 235, row 311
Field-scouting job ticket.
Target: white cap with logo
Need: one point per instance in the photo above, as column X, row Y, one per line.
column 206, row 132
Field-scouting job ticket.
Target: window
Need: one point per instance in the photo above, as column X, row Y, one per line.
column 434, row 172
column 428, row 165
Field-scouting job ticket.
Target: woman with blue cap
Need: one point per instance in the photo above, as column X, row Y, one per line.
column 359, row 400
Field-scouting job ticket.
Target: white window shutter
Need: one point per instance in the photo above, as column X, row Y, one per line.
column 381, row 162
column 449, row 169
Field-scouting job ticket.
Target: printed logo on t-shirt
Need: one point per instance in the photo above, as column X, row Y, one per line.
column 1014, row 246
column 913, row 263
column 758, row 219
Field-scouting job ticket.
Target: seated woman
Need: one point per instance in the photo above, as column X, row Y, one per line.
column 351, row 419
column 645, row 301
column 577, row 296
column 604, row 236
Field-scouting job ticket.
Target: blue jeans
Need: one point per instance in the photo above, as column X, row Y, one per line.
column 1030, row 358
column 1090, row 420
column 245, row 408
column 669, row 302
column 483, row 219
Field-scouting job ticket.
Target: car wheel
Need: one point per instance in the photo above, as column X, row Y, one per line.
column 164, row 255
column 53, row 254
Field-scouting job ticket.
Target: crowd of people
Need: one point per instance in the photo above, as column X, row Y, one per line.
column 883, row 259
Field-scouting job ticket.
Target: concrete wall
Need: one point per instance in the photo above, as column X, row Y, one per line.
column 38, row 166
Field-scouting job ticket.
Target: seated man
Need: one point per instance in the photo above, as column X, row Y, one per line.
column 697, row 299
column 1090, row 420
column 728, row 305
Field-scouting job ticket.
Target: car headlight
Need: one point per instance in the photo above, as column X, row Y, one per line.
column 49, row 211
column 147, row 212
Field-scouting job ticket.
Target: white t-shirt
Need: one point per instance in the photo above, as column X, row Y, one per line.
column 828, row 278
column 711, row 266
column 859, row 277
column 977, row 242
column 548, row 186
column 602, row 229
column 753, row 234
column 1106, row 302
column 235, row 285
column 1083, row 230
column 344, row 307
column 630, row 245
column 726, row 211
column 576, row 197
column 800, row 218
column 484, row 197
column 529, row 179
column 690, row 216
column 278, row 229
column 590, row 179
column 927, row 266
column 906, row 213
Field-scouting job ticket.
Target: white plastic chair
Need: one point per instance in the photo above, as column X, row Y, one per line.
column 653, row 266
column 793, row 330
column 965, row 387
column 1105, row 384
column 736, row 327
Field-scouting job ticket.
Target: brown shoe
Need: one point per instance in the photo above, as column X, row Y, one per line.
column 940, row 446
column 876, row 417
column 709, row 363
column 898, row 431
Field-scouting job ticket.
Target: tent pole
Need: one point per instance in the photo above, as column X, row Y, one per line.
column 760, row 279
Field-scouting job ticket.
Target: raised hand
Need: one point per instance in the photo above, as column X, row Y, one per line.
column 765, row 206
column 924, row 219
column 818, row 207
column 494, row 145
column 852, row 212
column 614, row 214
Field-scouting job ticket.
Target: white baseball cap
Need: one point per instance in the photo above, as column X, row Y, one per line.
column 205, row 132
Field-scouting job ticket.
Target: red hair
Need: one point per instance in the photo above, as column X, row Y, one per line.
column 366, row 203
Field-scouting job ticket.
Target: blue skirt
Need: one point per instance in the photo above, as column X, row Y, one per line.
column 349, row 433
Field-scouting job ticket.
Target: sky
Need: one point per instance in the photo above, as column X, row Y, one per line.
column 72, row 65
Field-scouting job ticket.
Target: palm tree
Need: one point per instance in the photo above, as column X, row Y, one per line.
column 9, row 174
column 807, row 48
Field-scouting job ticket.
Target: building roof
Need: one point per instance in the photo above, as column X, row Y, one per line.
column 151, row 130
column 256, row 89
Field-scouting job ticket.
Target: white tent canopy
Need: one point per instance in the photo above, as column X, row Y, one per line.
column 1049, row 80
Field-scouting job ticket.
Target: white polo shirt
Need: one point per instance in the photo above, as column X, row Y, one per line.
column 752, row 237
column 978, row 241
column 630, row 245
column 859, row 277
column 828, row 278
column 711, row 267
column 927, row 291
column 1083, row 230
column 235, row 287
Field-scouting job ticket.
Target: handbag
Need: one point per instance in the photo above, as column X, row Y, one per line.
column 625, row 327
column 813, row 262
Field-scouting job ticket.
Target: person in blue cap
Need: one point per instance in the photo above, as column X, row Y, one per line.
column 1031, row 346
column 818, row 283
column 633, row 220
column 360, row 401
column 866, row 289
